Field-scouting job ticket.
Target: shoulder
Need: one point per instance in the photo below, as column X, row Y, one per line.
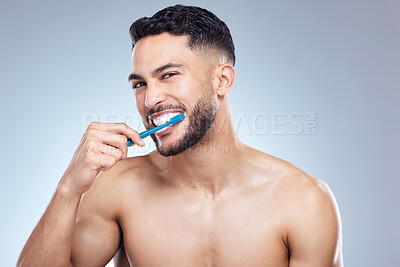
column 110, row 188
column 291, row 181
column 307, row 196
column 301, row 196
column 311, row 219
column 97, row 229
column 309, row 214
column 311, row 203
column 126, row 170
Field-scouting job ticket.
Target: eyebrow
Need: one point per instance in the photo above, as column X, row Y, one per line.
column 157, row 71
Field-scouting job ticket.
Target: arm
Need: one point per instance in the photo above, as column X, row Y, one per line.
column 97, row 233
column 315, row 235
column 52, row 233
column 72, row 232
column 66, row 227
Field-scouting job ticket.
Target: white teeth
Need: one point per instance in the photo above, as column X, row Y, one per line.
column 164, row 117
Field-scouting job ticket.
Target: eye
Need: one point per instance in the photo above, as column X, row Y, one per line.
column 138, row 84
column 168, row 75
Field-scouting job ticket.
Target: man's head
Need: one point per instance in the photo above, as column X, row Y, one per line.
column 204, row 29
column 182, row 60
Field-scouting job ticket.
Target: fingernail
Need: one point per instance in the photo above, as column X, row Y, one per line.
column 141, row 142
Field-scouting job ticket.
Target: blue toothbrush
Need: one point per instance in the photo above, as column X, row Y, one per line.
column 173, row 120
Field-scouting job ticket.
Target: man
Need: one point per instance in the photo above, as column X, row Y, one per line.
column 186, row 204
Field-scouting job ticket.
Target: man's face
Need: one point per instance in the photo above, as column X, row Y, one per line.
column 168, row 78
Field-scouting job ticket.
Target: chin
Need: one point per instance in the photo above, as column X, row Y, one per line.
column 167, row 141
column 171, row 145
column 166, row 144
column 169, row 150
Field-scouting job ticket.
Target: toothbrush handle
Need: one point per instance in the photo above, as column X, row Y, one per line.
column 149, row 132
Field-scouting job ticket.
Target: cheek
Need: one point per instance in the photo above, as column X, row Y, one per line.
column 194, row 88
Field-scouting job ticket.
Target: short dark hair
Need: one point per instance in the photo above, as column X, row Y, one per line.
column 205, row 30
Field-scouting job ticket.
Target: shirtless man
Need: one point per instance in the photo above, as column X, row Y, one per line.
column 185, row 204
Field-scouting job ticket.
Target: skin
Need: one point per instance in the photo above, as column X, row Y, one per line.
column 206, row 206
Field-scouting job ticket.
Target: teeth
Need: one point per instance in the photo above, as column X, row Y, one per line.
column 164, row 117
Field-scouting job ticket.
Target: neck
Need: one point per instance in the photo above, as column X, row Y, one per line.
column 213, row 164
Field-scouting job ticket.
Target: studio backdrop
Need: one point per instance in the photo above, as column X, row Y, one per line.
column 317, row 85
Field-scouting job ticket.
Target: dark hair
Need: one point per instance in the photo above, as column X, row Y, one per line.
column 205, row 30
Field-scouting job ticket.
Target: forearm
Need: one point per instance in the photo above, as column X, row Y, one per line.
column 51, row 241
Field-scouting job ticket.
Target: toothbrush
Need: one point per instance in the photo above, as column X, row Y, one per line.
column 173, row 120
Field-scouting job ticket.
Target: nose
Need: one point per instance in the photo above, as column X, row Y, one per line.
column 154, row 96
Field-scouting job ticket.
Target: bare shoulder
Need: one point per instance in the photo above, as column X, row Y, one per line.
column 290, row 181
column 108, row 191
column 299, row 193
column 310, row 217
column 97, row 230
column 125, row 171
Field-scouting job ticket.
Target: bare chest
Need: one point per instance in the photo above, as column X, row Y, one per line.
column 176, row 230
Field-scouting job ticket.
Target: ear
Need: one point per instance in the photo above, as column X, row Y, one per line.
column 224, row 79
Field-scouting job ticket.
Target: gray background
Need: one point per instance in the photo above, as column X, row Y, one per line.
column 65, row 63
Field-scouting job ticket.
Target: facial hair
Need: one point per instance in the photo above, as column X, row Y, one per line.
column 200, row 122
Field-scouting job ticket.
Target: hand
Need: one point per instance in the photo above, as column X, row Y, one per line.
column 102, row 145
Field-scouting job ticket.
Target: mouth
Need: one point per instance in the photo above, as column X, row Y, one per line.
column 162, row 117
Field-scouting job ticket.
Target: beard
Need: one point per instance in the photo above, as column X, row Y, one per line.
column 200, row 122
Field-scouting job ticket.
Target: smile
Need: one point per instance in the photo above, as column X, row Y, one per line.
column 162, row 117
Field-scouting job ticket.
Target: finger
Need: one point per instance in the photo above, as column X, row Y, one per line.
column 112, row 151
column 105, row 162
column 95, row 137
column 116, row 140
column 120, row 128
column 101, row 148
